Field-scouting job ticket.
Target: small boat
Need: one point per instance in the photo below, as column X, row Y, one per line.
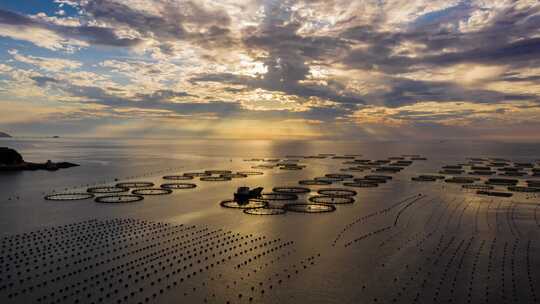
column 243, row 194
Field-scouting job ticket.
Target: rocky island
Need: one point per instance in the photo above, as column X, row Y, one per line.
column 11, row 160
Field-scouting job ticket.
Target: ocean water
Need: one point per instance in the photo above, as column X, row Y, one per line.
column 401, row 242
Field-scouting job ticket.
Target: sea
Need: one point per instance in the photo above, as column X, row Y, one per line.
column 403, row 241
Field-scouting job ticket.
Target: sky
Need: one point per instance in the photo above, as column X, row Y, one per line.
column 268, row 69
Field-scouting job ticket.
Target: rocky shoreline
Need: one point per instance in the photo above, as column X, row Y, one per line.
column 11, row 160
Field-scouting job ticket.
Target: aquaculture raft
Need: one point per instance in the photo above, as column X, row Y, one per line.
column 310, row 208
column 177, row 186
column 119, row 199
column 107, row 189
column 265, row 211
column 251, row 204
column 152, row 191
column 68, row 196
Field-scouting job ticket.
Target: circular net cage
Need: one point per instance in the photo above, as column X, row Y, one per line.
column 361, row 185
column 310, row 208
column 313, row 182
column 119, row 199
column 249, row 204
column 271, row 196
column 218, row 172
column 459, row 180
column 178, row 186
column 329, row 179
column 355, row 169
column 250, row 172
column 523, row 189
column 152, row 191
column 323, row 199
column 263, row 167
column 221, row 178
column 378, row 177
column 234, row 175
column 478, row 187
column 423, row 179
column 196, row 174
column 339, row 175
column 107, row 189
column 178, row 177
column 337, row 192
column 292, row 168
column 135, row 184
column 369, row 181
column 68, row 196
column 291, row 190
column 265, row 211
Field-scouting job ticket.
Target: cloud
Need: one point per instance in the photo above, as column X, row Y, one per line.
column 45, row 63
column 58, row 37
column 307, row 64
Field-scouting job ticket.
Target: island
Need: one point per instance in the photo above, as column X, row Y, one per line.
column 4, row 135
column 11, row 160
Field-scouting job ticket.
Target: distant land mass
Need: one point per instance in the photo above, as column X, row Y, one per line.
column 11, row 160
column 2, row 134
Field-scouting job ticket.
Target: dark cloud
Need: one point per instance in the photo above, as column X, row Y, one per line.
column 166, row 27
column 43, row 80
column 91, row 34
column 507, row 39
column 169, row 24
column 158, row 100
column 288, row 58
column 405, row 91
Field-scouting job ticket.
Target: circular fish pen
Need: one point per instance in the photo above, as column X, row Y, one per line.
column 378, row 177
column 502, row 182
column 178, row 177
column 361, row 185
column 523, row 189
column 291, row 190
column 279, row 196
column 263, row 167
column 68, row 196
column 178, row 186
column 313, row 182
column 369, row 181
column 337, row 192
column 135, row 184
column 234, row 175
column 329, row 179
column 334, row 200
column 310, row 208
column 460, row 180
column 218, row 172
column 107, row 190
column 152, row 191
column 119, row 199
column 477, row 187
column 250, row 204
column 265, row 211
column 196, row 174
column 292, row 168
column 339, row 175
column 250, row 172
column 494, row 193
column 215, row 178
column 423, row 179
column 355, row 169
